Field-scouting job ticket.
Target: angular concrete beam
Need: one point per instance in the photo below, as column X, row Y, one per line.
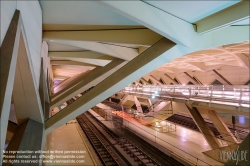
column 160, row 113
column 41, row 87
column 107, row 49
column 144, row 81
column 138, row 106
column 12, row 127
column 72, row 63
column 220, row 37
column 243, row 59
column 92, row 78
column 96, row 62
column 219, row 77
column 163, row 23
column 8, row 60
column 69, row 83
column 26, row 98
column 171, row 79
column 190, row 78
column 141, row 49
column 221, row 127
column 136, row 83
column 158, row 54
column 163, row 105
column 153, row 78
column 59, row 86
column 80, row 27
column 144, row 36
column 223, row 18
column 16, row 57
column 127, row 101
column 248, row 82
column 201, row 66
column 203, row 127
column 83, row 54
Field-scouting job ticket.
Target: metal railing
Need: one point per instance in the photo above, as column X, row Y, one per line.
column 176, row 151
column 226, row 94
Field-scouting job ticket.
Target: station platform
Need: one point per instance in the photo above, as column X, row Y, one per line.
column 69, row 137
column 183, row 143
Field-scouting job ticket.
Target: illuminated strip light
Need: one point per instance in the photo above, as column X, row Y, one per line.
column 245, row 98
column 187, row 94
column 223, row 96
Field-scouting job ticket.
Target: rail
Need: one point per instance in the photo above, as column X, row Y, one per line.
column 121, row 142
column 237, row 95
column 100, row 147
column 138, row 132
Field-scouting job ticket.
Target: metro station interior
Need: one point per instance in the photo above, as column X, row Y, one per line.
column 125, row 83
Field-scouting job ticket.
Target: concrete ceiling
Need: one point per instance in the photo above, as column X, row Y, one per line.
column 97, row 43
column 191, row 11
column 231, row 61
column 81, row 12
column 79, row 27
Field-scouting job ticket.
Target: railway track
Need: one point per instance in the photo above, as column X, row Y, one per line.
column 105, row 155
column 111, row 148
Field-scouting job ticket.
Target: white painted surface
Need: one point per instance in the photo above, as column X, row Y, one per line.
column 192, row 11
column 186, row 143
column 7, row 11
column 31, row 14
column 61, row 140
column 165, row 24
column 81, row 12
column 32, row 19
column 111, row 50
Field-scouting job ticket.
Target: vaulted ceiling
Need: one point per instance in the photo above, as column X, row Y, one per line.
column 83, row 35
column 229, row 64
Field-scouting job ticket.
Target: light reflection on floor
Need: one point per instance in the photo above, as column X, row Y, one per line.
column 189, row 141
column 240, row 120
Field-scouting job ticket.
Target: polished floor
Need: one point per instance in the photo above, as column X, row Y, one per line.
column 186, row 143
column 69, row 138
column 181, row 142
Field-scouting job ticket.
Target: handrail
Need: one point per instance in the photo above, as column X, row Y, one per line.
column 98, row 121
column 165, row 142
column 234, row 94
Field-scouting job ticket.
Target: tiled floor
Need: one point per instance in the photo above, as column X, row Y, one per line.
column 68, row 138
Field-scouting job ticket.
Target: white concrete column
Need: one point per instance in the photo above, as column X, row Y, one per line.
column 8, row 60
